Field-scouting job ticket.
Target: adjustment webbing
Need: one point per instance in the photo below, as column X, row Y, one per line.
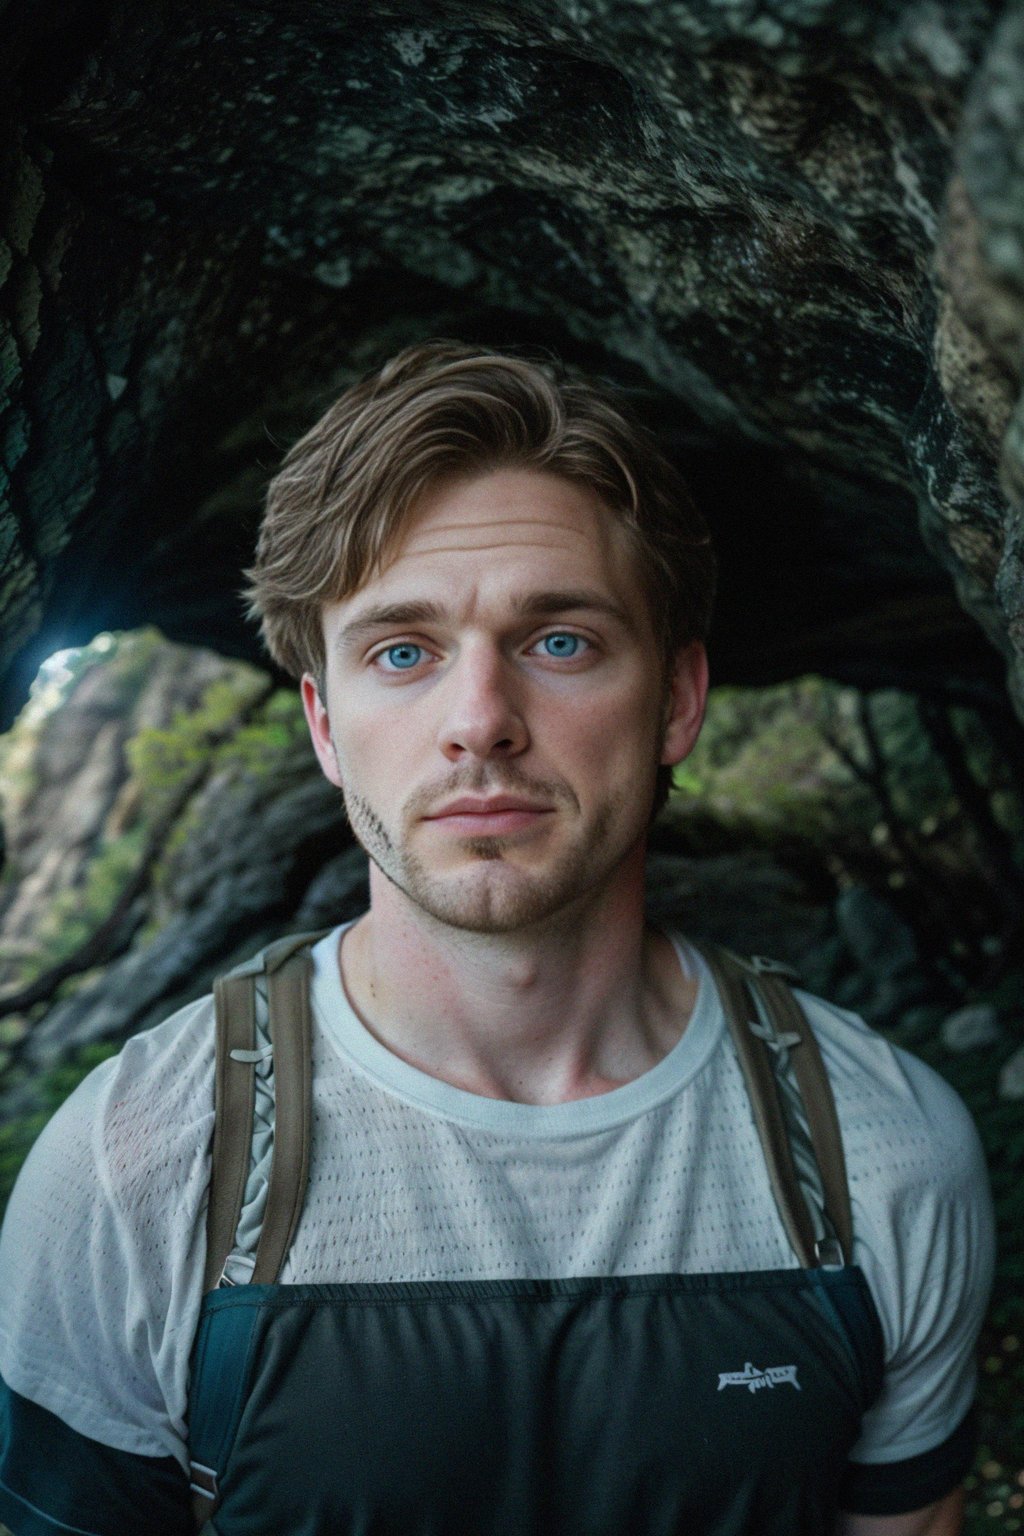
column 791, row 1096
column 288, row 981
column 286, row 966
column 235, row 1093
column 234, row 1097
column 732, row 981
column 818, row 1105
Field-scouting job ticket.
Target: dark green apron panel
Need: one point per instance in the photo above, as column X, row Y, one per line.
column 708, row 1405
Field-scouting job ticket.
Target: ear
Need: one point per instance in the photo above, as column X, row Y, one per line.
column 320, row 729
column 684, row 707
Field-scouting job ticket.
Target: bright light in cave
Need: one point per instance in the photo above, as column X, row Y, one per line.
column 56, row 669
column 59, row 667
column 56, row 672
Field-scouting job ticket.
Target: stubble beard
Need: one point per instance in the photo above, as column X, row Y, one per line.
column 505, row 899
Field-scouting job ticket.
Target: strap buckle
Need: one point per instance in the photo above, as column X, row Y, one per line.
column 243, row 1265
column 764, row 965
column 777, row 1042
column 203, row 1480
column 251, row 1058
column 829, row 1253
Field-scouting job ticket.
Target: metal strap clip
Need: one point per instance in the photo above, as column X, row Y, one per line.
column 764, row 965
column 203, row 1480
column 829, row 1253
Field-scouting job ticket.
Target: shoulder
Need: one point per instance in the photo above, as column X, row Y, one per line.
column 902, row 1122
column 159, row 1101
column 924, row 1238
column 101, row 1259
column 140, row 1110
column 924, row 1230
column 132, row 1139
column 102, row 1245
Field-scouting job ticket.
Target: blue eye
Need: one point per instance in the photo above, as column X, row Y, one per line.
column 562, row 645
column 401, row 657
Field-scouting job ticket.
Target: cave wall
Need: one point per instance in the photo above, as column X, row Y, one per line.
column 793, row 230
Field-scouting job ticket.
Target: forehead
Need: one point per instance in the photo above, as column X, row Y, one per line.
column 507, row 527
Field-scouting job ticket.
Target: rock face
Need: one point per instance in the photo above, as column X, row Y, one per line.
column 68, row 779
column 971, row 1029
column 193, row 782
column 795, row 230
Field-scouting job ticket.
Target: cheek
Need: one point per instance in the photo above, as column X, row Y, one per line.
column 612, row 730
column 377, row 750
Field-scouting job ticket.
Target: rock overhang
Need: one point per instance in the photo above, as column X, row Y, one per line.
column 791, row 231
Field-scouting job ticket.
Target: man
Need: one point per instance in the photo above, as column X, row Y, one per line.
column 541, row 1279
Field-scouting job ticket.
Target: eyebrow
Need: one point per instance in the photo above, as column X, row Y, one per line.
column 528, row 604
column 575, row 599
column 387, row 616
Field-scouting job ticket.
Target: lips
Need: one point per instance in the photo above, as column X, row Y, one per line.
column 501, row 816
column 468, row 806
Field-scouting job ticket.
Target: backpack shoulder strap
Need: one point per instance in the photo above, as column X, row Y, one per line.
column 779, row 1022
column 818, row 1103
column 286, row 966
column 288, row 969
column 234, row 1098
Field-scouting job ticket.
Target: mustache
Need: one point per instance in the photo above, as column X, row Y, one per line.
column 510, row 781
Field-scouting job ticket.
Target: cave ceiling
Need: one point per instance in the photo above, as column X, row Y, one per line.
column 792, row 230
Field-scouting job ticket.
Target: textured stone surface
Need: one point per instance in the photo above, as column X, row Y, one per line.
column 253, row 822
column 971, row 1028
column 885, row 949
column 66, row 781
column 1011, row 1076
column 793, row 229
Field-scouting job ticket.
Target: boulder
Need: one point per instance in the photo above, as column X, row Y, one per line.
column 971, row 1028
column 1011, row 1076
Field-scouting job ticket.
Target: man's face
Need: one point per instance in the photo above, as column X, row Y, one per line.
column 496, row 705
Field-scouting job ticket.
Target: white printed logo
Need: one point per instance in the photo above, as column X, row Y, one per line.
column 751, row 1377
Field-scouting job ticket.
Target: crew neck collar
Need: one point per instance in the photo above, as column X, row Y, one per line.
column 603, row 1111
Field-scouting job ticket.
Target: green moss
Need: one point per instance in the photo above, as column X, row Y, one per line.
column 771, row 764
column 204, row 740
column 260, row 745
column 762, row 763
column 161, row 758
column 75, row 914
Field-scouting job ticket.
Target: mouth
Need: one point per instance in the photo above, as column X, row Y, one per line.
column 493, row 817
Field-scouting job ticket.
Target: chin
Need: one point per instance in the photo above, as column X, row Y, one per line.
column 492, row 898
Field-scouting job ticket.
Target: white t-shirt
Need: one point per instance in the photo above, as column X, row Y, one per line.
column 103, row 1246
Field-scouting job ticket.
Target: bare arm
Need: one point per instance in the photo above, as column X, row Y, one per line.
column 946, row 1518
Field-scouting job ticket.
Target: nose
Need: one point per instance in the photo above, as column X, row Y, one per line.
column 483, row 710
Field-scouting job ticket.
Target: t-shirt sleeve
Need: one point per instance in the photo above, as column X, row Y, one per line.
column 926, row 1240
column 54, row 1481
column 101, row 1259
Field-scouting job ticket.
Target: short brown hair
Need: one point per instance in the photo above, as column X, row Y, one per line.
column 442, row 408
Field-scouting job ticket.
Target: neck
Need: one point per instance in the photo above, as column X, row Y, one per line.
column 574, row 1006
